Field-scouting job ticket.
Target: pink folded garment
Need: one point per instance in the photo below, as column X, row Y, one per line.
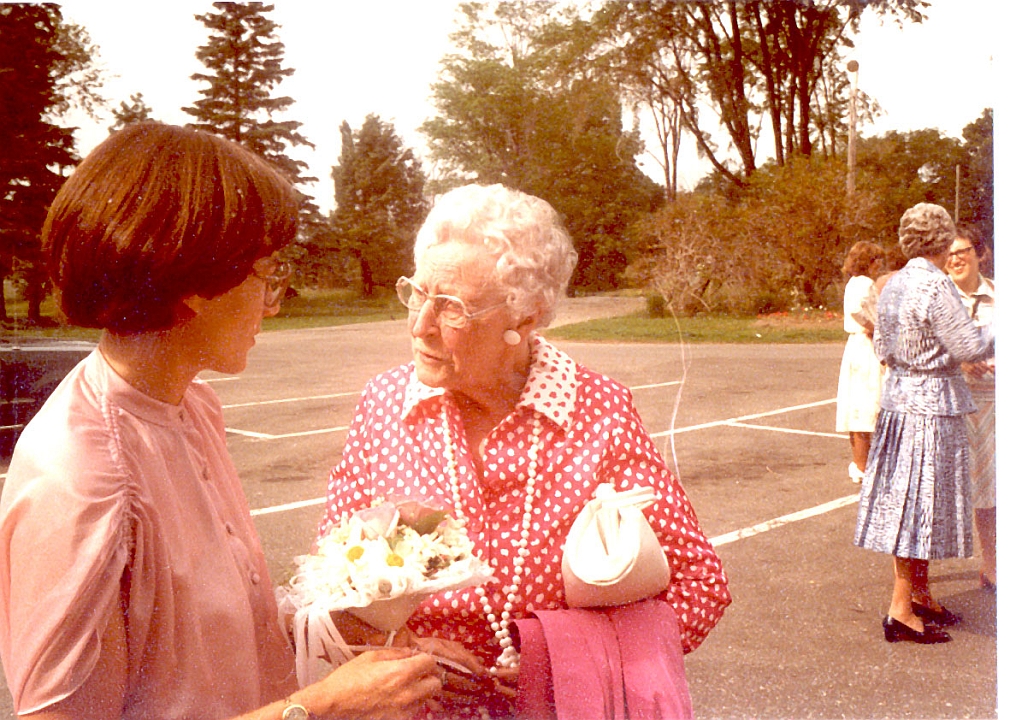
column 610, row 663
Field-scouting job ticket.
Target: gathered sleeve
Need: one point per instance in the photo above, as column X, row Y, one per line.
column 74, row 503
column 698, row 587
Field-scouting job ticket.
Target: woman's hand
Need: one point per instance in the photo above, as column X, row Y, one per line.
column 976, row 369
column 450, row 650
column 386, row 684
column 470, row 684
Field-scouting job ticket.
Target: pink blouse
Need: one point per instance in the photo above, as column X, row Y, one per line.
column 591, row 434
column 113, row 497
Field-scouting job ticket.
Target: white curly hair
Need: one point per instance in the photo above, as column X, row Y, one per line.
column 533, row 251
column 926, row 229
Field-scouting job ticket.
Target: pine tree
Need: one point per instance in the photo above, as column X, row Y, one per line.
column 379, row 202
column 137, row 111
column 38, row 53
column 244, row 59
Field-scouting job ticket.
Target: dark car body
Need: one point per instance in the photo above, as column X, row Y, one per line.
column 30, row 369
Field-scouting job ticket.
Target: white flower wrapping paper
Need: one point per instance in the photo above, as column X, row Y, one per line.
column 378, row 564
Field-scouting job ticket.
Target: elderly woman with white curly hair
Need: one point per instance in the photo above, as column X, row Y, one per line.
column 511, row 435
column 915, row 497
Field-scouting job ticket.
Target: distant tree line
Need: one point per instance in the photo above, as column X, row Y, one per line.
column 550, row 98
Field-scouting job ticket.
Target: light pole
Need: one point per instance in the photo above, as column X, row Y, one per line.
column 852, row 136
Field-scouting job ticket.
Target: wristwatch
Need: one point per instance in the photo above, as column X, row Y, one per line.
column 294, row 711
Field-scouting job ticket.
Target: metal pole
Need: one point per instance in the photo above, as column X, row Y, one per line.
column 852, row 67
column 956, row 210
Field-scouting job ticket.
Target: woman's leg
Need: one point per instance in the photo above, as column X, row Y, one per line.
column 908, row 573
column 860, row 444
column 984, row 522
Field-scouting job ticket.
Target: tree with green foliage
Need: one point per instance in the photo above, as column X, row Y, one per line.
column 379, row 202
column 728, row 66
column 137, row 111
column 902, row 169
column 46, row 68
column 775, row 244
column 525, row 111
column 244, row 57
column 977, row 180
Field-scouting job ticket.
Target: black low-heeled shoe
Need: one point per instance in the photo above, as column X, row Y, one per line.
column 942, row 618
column 895, row 631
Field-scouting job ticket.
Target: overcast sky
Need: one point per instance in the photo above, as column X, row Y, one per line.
column 354, row 57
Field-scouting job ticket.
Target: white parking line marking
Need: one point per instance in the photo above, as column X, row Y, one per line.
column 783, row 520
column 282, row 436
column 288, row 506
column 792, row 431
column 657, row 385
column 733, row 421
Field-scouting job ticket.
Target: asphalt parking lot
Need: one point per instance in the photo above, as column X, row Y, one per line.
column 754, row 444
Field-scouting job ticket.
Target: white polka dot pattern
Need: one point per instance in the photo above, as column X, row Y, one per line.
column 594, row 435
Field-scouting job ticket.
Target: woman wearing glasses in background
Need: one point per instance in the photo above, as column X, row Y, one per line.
column 132, row 581
column 506, row 432
column 968, row 258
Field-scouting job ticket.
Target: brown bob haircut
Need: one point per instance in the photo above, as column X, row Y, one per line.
column 860, row 258
column 158, row 213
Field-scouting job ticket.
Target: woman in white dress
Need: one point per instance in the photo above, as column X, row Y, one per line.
column 860, row 371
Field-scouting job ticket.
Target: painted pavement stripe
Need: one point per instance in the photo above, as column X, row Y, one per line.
column 783, row 520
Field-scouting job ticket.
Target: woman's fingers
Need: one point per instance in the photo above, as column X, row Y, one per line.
column 451, row 650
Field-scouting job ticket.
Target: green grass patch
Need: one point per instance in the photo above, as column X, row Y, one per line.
column 699, row 329
column 325, row 308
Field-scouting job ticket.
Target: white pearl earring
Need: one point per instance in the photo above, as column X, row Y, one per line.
column 511, row 337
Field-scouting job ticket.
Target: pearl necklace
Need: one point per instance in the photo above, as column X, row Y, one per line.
column 509, row 657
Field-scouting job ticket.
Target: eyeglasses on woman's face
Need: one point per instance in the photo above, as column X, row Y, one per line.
column 448, row 309
column 276, row 275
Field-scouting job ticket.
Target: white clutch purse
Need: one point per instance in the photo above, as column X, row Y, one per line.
column 611, row 554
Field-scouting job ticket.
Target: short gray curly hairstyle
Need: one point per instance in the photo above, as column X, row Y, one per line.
column 534, row 253
column 926, row 229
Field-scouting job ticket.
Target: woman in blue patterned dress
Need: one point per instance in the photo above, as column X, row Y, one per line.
column 915, row 497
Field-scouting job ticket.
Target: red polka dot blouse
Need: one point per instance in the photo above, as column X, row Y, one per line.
column 591, row 434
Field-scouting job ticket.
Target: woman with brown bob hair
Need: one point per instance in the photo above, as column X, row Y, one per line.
column 124, row 260
column 132, row 580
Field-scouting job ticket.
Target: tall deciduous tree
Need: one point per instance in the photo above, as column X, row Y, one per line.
column 902, row 169
column 244, row 57
column 977, row 189
column 46, row 67
column 744, row 61
column 515, row 108
column 379, row 202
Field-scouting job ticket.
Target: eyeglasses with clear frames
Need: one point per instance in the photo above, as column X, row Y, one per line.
column 448, row 309
column 276, row 277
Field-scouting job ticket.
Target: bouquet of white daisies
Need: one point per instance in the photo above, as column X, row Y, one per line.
column 377, row 564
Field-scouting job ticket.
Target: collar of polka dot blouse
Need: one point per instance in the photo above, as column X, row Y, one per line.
column 509, row 657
